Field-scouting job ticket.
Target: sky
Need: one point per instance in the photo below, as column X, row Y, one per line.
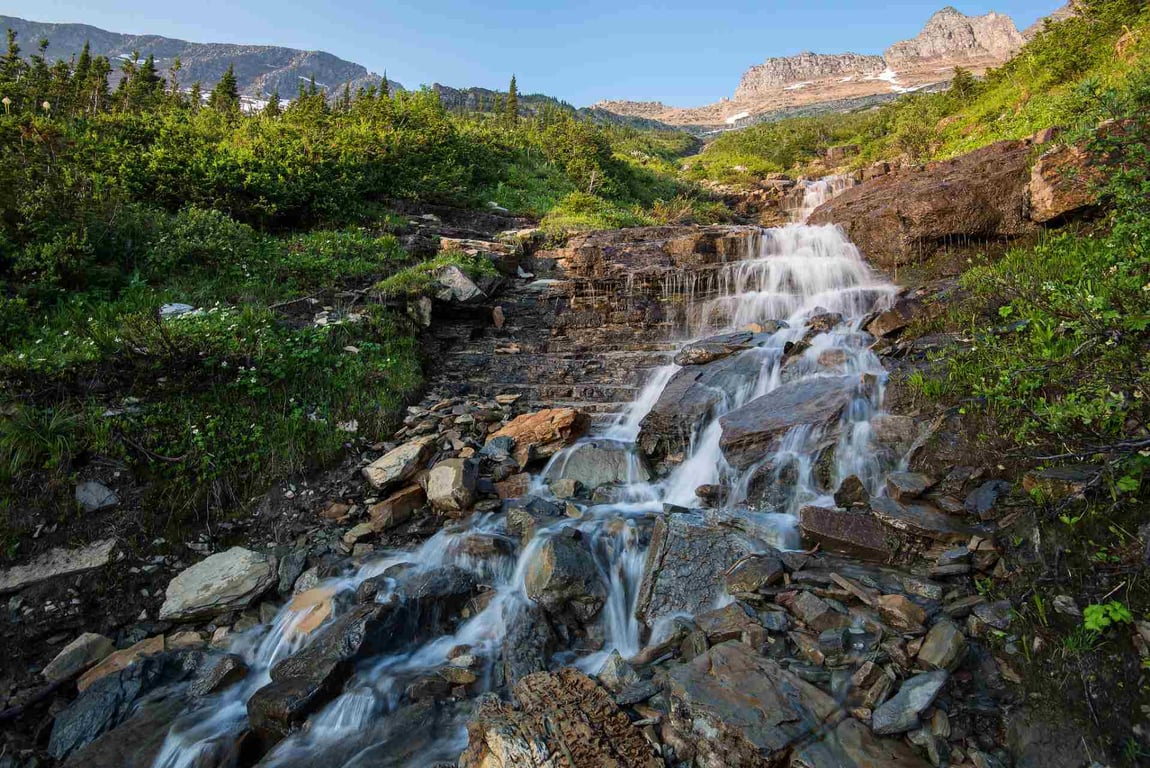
column 680, row 52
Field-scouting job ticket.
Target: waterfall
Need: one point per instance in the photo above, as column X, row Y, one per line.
column 802, row 284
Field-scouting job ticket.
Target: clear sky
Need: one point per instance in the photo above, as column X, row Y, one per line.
column 681, row 52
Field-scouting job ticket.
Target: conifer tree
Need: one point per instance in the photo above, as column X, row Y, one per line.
column 384, row 86
column 196, row 96
column 225, row 97
column 273, row 108
column 513, row 102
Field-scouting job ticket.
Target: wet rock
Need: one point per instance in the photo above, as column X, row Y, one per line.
column 397, row 508
column 920, row 520
column 815, row 612
column 528, row 644
column 565, row 488
column 851, row 491
column 542, row 434
column 851, row 745
column 731, row 622
column 217, row 675
column 753, row 573
column 689, row 398
column 527, row 515
column 451, row 486
column 890, row 322
column 224, row 582
column 399, row 464
column 943, row 647
column 599, row 462
column 57, row 562
column 737, row 708
column 901, row 613
column 110, row 700
column 514, row 486
column 685, row 564
column 616, row 673
column 86, row 650
column 901, row 712
column 93, row 496
column 290, row 567
column 750, row 433
column 563, row 579
column 134, row 743
column 314, row 606
column 857, row 534
column 563, row 718
column 120, row 660
column 714, row 348
column 905, row 486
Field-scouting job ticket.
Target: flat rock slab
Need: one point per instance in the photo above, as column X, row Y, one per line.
column 598, row 462
column 751, row 433
column 857, row 534
column 399, row 464
column 921, row 520
column 57, row 562
column 901, row 712
column 86, row 650
column 223, row 582
column 685, row 565
column 544, row 433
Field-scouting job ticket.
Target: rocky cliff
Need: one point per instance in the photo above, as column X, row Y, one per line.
column 953, row 36
column 260, row 69
column 779, row 72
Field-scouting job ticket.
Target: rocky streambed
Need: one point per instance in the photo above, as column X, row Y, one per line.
column 657, row 509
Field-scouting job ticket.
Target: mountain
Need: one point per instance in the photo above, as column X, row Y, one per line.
column 260, row 69
column 784, row 85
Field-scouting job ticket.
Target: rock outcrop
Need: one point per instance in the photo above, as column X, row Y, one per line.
column 781, row 71
column 953, row 36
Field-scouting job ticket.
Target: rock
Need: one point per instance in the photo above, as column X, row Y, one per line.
column 175, row 309
column 214, row 677
column 890, row 322
column 616, row 673
column 455, row 286
column 595, row 463
column 816, row 613
column 851, row 745
column 528, row 644
column 451, row 486
column 57, row 562
column 1039, row 737
column 110, row 700
column 397, row 508
column 542, row 434
column 358, row 532
column 398, row 465
column 528, row 514
column 291, row 567
column 750, row 433
column 226, row 581
column 736, row 708
column 1054, row 484
column 998, row 614
column 86, row 650
column 920, row 520
column 514, row 486
column 93, row 496
column 563, row 579
column 951, row 34
column 1064, row 180
column 901, row 713
column 753, row 573
column 901, row 613
column 1065, row 605
column 713, row 348
column 905, row 486
column 857, row 534
column 685, row 564
column 731, row 622
column 851, row 491
column 982, row 499
column 905, row 216
column 563, row 718
column 943, row 647
column 120, row 660
column 566, row 488
column 314, row 607
column 134, row 743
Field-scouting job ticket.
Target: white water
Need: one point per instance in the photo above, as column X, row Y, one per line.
column 793, row 274
column 817, row 192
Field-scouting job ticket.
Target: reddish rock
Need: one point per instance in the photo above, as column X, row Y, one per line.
column 1063, row 181
column 542, row 434
column 858, row 534
column 397, row 508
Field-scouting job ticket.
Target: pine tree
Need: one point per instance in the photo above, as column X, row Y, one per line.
column 225, row 97
column 513, row 102
column 345, row 100
column 145, row 86
column 272, row 108
column 196, row 96
column 384, row 87
column 97, row 86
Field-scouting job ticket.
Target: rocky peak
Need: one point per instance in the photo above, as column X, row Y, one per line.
column 951, row 34
column 781, row 71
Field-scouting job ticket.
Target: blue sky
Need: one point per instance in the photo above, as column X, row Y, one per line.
column 681, row 52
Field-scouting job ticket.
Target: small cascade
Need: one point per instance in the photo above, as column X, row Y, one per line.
column 802, row 288
column 813, row 193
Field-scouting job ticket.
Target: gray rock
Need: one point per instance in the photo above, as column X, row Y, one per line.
column 57, row 562
column 751, row 432
column 755, row 573
column 982, row 500
column 903, row 486
column 215, row 676
column 997, row 614
column 856, row 533
column 563, row 579
column 224, row 582
column 921, row 520
column 451, row 486
column 93, row 496
column 616, row 673
column 851, row 745
column 86, row 650
column 685, row 564
column 455, row 286
column 291, row 567
column 528, row 644
column 137, row 741
column 598, row 462
column 943, row 647
column 175, row 309
column 901, row 712
column 851, row 491
column 714, row 348
column 399, row 464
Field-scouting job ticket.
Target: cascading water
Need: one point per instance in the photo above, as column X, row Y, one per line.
column 804, row 285
column 818, row 191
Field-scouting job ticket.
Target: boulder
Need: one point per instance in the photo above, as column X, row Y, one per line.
column 397, row 508
column 451, row 486
column 598, row 462
column 685, row 564
column 616, row 673
column 891, row 321
column 751, row 433
column 736, row 708
column 563, row 718
column 1064, row 180
column 122, row 659
column 86, row 650
column 223, row 582
column 137, row 741
column 905, row 216
column 528, row 644
column 854, row 533
column 920, row 520
column 57, row 562
column 542, row 434
column 399, row 464
column 851, row 491
column 93, row 496
column 215, row 676
column 905, row 486
column 563, row 579
column 453, row 285
column 901, row 712
column 713, row 348
column 690, row 398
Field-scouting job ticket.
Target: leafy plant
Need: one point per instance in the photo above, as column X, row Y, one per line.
column 1097, row 617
